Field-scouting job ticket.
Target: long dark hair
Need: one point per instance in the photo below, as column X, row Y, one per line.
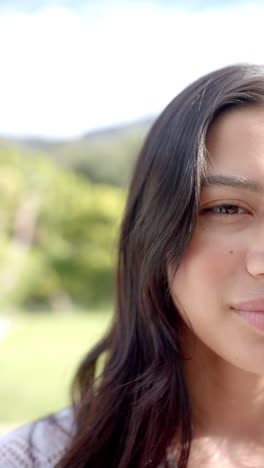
column 130, row 415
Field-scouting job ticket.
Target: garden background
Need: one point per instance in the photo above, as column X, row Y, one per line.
column 60, row 209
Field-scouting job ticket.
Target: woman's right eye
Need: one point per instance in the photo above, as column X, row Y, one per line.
column 225, row 209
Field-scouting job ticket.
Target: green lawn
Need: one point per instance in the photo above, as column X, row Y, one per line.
column 38, row 359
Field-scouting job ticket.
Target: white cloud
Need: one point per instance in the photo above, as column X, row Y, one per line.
column 62, row 74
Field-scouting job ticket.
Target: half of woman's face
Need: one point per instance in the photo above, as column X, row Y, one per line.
column 224, row 263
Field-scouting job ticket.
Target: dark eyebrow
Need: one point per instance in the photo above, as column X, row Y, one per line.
column 233, row 181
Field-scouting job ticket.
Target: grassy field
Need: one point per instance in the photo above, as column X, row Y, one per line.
column 38, row 358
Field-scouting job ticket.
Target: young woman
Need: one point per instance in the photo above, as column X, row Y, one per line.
column 183, row 381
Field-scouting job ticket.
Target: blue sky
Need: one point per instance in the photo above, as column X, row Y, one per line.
column 68, row 67
column 80, row 5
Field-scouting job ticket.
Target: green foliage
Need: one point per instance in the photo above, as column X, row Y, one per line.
column 103, row 161
column 57, row 234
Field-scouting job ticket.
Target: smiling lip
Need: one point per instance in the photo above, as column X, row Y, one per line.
column 252, row 311
column 255, row 305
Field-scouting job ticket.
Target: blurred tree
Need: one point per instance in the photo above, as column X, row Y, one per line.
column 58, row 234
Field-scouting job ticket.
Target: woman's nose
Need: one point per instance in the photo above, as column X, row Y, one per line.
column 255, row 262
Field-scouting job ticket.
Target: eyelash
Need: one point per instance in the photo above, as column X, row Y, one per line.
column 226, row 206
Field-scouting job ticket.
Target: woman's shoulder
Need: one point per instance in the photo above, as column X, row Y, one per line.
column 40, row 444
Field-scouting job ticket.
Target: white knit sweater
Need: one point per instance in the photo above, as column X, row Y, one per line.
column 40, row 444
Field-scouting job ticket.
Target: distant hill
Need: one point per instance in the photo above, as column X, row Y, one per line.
column 105, row 155
column 135, row 127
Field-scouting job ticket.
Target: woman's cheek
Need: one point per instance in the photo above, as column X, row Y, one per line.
column 209, row 260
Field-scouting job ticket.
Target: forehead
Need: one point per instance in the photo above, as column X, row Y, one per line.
column 235, row 142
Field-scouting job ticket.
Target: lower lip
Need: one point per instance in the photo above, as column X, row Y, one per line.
column 256, row 319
